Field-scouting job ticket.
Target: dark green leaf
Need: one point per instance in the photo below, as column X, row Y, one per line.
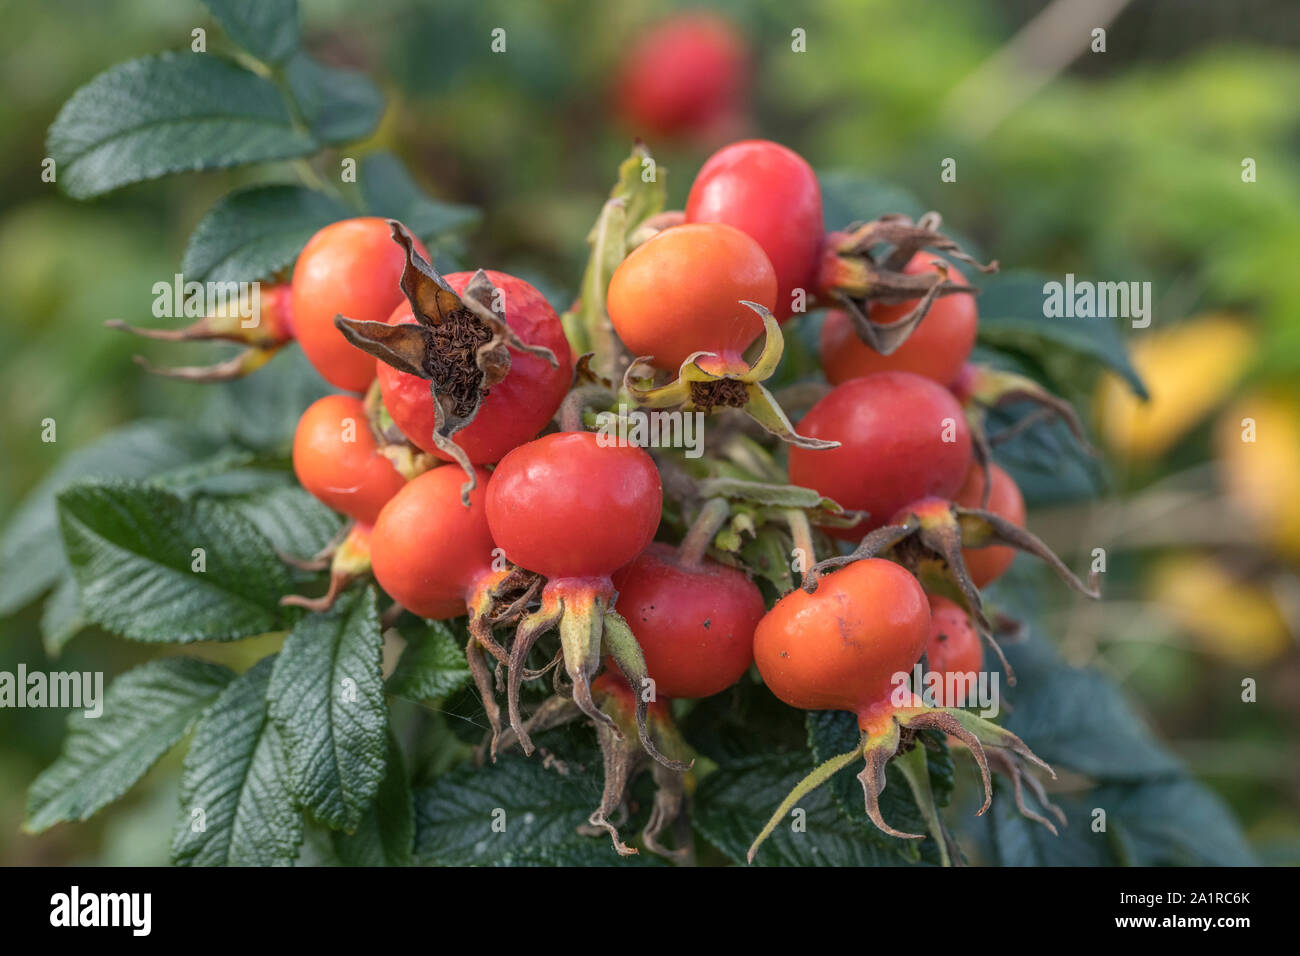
column 587, row 853
column 515, row 807
column 743, row 718
column 340, row 105
column 268, row 29
column 733, row 804
column 1171, row 823
column 388, row 190
column 387, row 830
column 254, row 233
column 166, row 114
column 327, row 699
column 218, row 471
column 31, row 553
column 262, row 410
column 1079, row 719
column 132, row 549
column 236, row 805
column 1018, row 841
column 835, row 732
column 145, row 712
column 849, row 197
column 431, row 667
column 292, row 520
column 1011, row 316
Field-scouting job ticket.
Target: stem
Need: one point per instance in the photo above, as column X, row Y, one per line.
column 917, row 774
column 298, row 119
column 708, row 523
column 571, row 409
column 801, row 532
column 807, row 785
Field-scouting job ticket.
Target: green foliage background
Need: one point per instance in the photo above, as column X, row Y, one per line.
column 1127, row 165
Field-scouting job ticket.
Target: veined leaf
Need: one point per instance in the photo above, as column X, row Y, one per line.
column 388, row 190
column 155, row 567
column 340, row 105
column 268, row 29
column 236, row 805
column 733, row 804
column 254, row 233
column 515, row 807
column 171, row 113
column 387, row 829
column 327, row 699
column 431, row 667
column 145, row 712
column 31, row 553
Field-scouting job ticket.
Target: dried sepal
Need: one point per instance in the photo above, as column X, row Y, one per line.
column 892, row 730
column 349, row 560
column 621, row 644
column 984, row 388
column 236, row 367
column 1009, row 765
column 460, row 344
column 623, row 758
column 854, row 273
column 226, row 322
column 530, row 629
column 697, row 388
column 878, row 749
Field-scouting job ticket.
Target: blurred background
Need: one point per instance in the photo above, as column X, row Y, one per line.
column 1120, row 165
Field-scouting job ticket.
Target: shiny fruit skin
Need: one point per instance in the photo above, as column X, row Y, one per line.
column 770, row 193
column 567, row 507
column 680, row 292
column 937, row 349
column 352, row 267
column 516, row 408
column 685, row 77
column 954, row 646
column 427, row 549
column 986, row 565
column 841, row 647
column 891, row 427
column 695, row 624
column 351, row 477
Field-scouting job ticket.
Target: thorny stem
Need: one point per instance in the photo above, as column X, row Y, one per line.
column 807, row 785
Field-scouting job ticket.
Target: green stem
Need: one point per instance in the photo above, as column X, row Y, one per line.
column 708, row 523
column 804, row 787
column 570, row 414
column 917, row 774
column 801, row 532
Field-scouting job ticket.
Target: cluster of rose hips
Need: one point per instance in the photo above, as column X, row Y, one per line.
column 461, row 509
